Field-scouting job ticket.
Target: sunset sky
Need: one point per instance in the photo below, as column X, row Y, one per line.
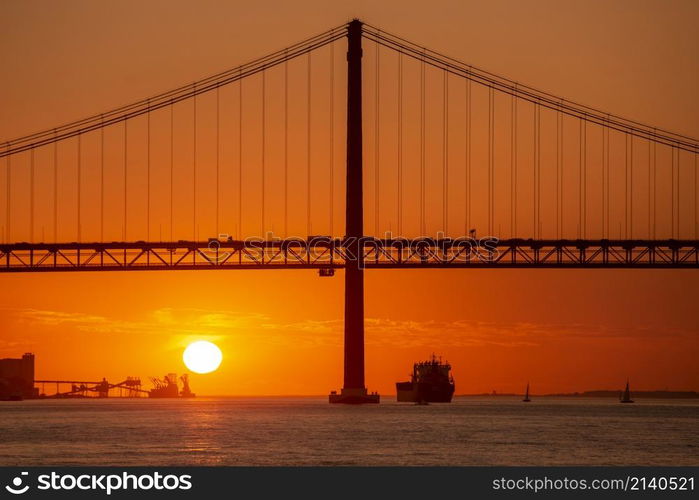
column 281, row 331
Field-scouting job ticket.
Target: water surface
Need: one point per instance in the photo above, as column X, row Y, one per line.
column 309, row 431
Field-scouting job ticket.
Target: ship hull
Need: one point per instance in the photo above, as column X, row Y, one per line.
column 415, row 392
column 164, row 392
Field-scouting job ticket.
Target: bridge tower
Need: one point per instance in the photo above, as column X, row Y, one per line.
column 354, row 391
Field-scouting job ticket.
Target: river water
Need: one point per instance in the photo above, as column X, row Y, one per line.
column 309, row 431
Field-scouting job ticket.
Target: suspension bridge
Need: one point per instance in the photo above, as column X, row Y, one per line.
column 457, row 168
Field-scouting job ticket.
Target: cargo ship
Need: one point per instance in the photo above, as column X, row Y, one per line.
column 167, row 387
column 431, row 382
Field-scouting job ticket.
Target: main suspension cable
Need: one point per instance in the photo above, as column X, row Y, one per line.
column 168, row 98
column 530, row 94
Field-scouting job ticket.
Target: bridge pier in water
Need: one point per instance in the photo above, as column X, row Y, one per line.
column 354, row 390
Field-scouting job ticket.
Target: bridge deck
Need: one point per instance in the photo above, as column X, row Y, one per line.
column 325, row 253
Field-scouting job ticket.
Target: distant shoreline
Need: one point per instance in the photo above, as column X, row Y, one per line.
column 604, row 394
column 586, row 394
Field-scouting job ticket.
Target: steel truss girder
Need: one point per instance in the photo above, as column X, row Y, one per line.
column 323, row 252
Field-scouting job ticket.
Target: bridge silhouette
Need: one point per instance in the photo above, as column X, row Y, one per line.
column 459, row 167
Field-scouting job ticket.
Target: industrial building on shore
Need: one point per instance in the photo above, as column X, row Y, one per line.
column 17, row 378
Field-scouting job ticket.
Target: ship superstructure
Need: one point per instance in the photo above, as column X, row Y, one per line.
column 431, row 382
column 167, row 387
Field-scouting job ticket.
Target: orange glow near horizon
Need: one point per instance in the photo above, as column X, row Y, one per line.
column 280, row 331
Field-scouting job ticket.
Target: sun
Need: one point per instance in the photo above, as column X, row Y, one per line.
column 202, row 356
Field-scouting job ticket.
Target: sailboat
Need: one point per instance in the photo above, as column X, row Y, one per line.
column 526, row 395
column 626, row 397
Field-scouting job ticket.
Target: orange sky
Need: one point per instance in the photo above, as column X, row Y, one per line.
column 281, row 331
